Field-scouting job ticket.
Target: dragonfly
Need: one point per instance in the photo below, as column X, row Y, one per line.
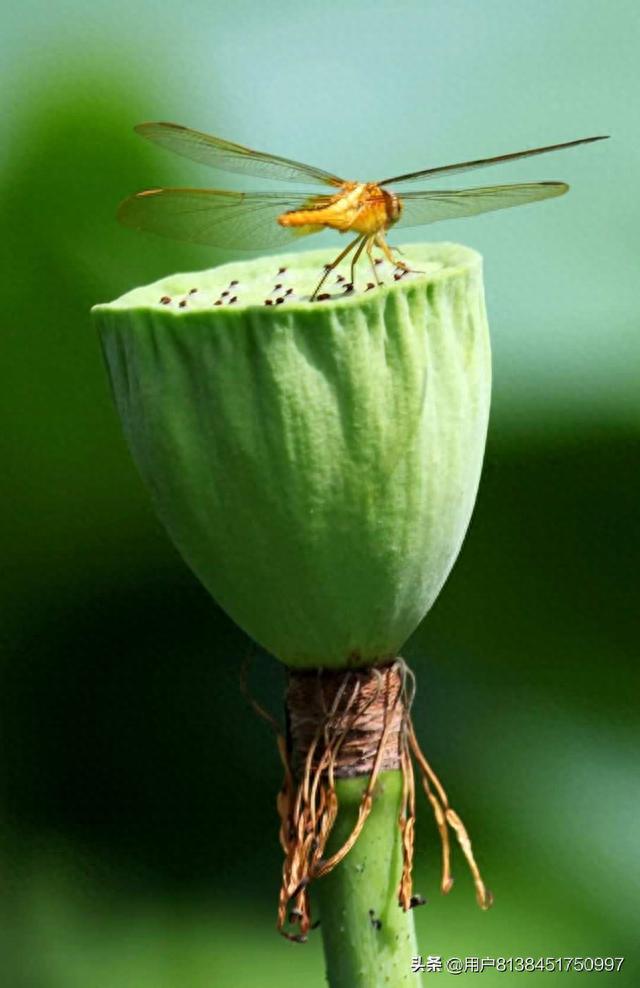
column 261, row 220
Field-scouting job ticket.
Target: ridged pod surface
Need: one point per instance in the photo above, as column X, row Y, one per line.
column 316, row 464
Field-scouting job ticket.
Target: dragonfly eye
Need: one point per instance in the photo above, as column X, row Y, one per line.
column 393, row 206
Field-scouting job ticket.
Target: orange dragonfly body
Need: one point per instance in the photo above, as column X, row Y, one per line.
column 359, row 207
column 256, row 220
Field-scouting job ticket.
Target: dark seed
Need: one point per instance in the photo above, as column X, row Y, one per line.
column 224, row 294
column 416, row 900
column 279, row 300
column 289, row 291
column 192, row 291
column 397, row 276
column 183, row 303
column 340, row 278
column 348, row 288
column 218, row 302
column 281, row 270
column 232, row 300
column 378, row 260
column 165, row 299
column 232, row 283
column 268, row 301
column 370, row 286
column 276, row 287
column 323, row 297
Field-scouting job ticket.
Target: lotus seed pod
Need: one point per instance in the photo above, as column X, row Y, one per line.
column 316, row 464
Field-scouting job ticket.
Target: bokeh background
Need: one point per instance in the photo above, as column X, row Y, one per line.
column 137, row 823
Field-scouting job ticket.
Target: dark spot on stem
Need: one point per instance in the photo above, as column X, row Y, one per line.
column 376, row 923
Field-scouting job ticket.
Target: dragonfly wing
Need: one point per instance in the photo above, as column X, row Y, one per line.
column 419, row 208
column 466, row 166
column 214, row 151
column 239, row 220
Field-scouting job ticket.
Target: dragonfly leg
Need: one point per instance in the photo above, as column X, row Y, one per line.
column 334, row 264
column 370, row 245
column 356, row 258
column 388, row 253
column 386, row 250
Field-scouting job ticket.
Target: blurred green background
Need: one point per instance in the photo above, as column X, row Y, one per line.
column 137, row 821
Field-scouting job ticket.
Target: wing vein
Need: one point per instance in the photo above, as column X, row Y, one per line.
column 218, row 153
column 465, row 166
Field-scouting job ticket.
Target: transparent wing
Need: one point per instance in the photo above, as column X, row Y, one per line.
column 419, row 208
column 240, row 220
column 229, row 157
column 466, row 166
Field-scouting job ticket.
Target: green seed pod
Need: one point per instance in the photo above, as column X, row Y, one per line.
column 316, row 464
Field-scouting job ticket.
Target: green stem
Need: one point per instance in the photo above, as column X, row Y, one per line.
column 363, row 891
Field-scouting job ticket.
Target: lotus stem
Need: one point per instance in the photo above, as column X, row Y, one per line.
column 368, row 939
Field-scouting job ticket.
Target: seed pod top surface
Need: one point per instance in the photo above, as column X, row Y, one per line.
column 315, row 463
